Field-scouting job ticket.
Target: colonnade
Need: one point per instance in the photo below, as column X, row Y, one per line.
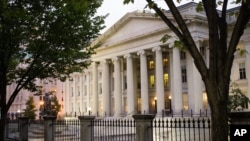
column 112, row 99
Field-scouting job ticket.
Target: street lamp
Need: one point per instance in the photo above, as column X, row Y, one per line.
column 170, row 104
column 89, row 109
column 155, row 105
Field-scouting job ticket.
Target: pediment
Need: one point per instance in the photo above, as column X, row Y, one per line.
column 130, row 26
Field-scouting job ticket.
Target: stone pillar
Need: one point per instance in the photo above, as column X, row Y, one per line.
column 144, row 129
column 130, row 85
column 117, row 87
column 49, row 128
column 86, row 128
column 247, row 64
column 159, row 80
column 106, row 88
column 239, row 118
column 23, row 126
column 239, row 121
column 95, row 89
column 176, row 82
column 144, row 82
column 194, row 86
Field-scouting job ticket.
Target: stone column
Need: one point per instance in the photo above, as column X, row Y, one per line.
column 49, row 128
column 176, row 82
column 239, row 121
column 144, row 82
column 194, row 86
column 144, row 129
column 159, row 79
column 247, row 64
column 106, row 88
column 95, row 89
column 86, row 128
column 23, row 125
column 88, row 87
column 117, row 87
column 130, row 85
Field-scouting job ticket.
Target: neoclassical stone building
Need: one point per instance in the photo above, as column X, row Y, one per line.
column 134, row 72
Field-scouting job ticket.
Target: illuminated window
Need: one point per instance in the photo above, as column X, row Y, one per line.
column 152, row 81
column 242, row 71
column 204, row 100
column 165, row 62
column 185, row 101
column 151, row 64
column 165, row 79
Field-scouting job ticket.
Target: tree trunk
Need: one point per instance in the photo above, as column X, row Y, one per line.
column 219, row 121
column 2, row 125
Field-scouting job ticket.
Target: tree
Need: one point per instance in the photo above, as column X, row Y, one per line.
column 237, row 100
column 43, row 39
column 55, row 106
column 222, row 46
column 30, row 110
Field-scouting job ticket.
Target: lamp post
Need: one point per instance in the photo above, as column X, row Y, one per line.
column 89, row 110
column 155, row 105
column 170, row 104
column 40, row 108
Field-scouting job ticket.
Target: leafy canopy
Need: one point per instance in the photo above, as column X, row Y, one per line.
column 45, row 39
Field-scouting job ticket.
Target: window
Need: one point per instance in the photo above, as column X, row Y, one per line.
column 183, row 55
column 184, row 74
column 78, row 90
column 100, row 88
column 125, row 82
column 242, row 71
column 165, row 62
column 204, row 100
column 151, row 64
column 152, row 81
column 202, row 50
column 165, row 79
column 185, row 101
column 72, row 91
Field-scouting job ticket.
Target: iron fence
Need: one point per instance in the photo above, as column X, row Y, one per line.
column 66, row 130
column 182, row 129
column 123, row 129
column 114, row 129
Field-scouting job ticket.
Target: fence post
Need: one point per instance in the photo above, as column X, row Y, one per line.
column 86, row 128
column 144, row 127
column 239, row 118
column 23, row 126
column 49, row 128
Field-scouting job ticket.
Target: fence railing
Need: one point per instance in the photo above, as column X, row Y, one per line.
column 122, row 129
column 182, row 129
column 114, row 129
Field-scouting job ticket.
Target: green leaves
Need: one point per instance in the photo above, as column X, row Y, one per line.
column 237, row 100
column 128, row 1
column 199, row 7
column 37, row 33
column 165, row 38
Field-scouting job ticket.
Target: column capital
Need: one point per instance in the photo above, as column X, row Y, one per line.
column 114, row 59
column 129, row 55
column 156, row 49
column 141, row 52
column 105, row 61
